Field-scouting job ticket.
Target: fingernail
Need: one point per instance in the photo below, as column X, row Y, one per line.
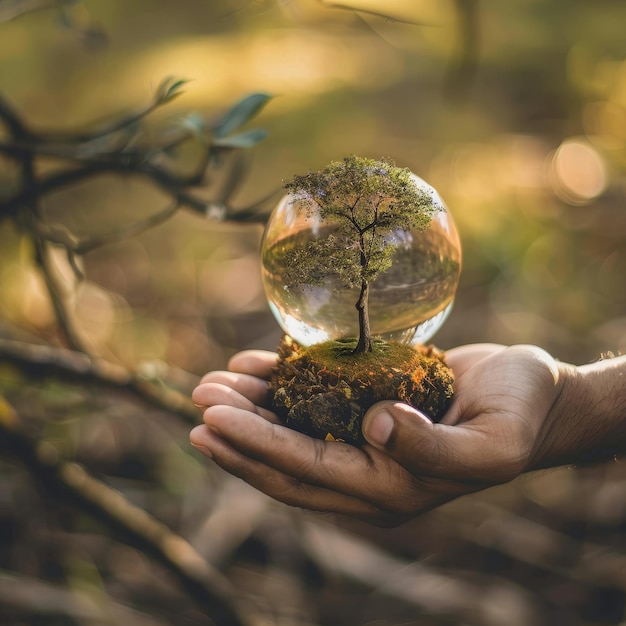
column 377, row 428
column 203, row 449
column 195, row 438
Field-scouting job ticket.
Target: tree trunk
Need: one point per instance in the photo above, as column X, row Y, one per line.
column 365, row 334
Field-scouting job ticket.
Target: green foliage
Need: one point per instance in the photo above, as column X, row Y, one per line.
column 217, row 135
column 365, row 201
column 169, row 89
column 240, row 113
column 241, row 140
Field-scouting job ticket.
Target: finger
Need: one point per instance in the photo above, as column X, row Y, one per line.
column 366, row 473
column 466, row 453
column 212, row 394
column 464, row 357
column 251, row 387
column 256, row 362
column 281, row 486
column 461, row 360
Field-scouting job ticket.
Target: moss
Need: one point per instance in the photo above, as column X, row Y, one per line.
column 325, row 390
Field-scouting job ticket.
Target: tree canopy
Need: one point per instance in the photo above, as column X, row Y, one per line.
column 365, row 201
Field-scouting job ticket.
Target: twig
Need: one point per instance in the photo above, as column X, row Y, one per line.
column 166, row 91
column 38, row 599
column 390, row 16
column 127, row 161
column 540, row 546
column 61, row 236
column 173, row 186
column 25, row 145
column 12, row 120
column 72, row 138
column 20, row 133
column 234, row 517
column 41, row 361
column 129, row 523
column 434, row 591
column 12, row 9
column 464, row 64
column 42, row 259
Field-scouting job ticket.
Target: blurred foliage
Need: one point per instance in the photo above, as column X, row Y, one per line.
column 514, row 111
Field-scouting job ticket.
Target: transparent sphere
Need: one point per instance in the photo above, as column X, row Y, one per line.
column 408, row 302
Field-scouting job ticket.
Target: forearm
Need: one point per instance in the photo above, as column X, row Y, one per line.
column 587, row 422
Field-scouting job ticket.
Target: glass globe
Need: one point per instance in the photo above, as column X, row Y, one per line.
column 408, row 302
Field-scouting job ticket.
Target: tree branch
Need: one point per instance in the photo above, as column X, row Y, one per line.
column 12, row 9
column 63, row 318
column 172, row 185
column 62, row 237
column 11, row 120
column 20, row 133
column 129, row 523
column 540, row 546
column 463, row 65
column 24, row 206
column 70, row 138
column 41, row 361
column 35, row 599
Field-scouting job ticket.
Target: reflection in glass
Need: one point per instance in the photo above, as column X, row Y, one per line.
column 409, row 302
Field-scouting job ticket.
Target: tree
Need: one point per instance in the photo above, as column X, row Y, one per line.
column 364, row 201
column 185, row 160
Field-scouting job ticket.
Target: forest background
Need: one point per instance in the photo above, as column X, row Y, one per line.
column 131, row 211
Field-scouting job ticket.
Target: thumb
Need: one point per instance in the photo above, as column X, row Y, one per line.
column 403, row 432
column 379, row 423
column 428, row 449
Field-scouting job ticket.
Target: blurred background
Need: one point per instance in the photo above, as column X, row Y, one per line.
column 515, row 112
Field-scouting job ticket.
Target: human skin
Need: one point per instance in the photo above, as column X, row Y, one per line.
column 516, row 409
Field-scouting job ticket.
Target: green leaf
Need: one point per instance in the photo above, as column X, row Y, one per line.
column 242, row 140
column 239, row 114
column 195, row 123
column 169, row 88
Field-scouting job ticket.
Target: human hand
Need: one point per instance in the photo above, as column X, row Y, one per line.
column 495, row 429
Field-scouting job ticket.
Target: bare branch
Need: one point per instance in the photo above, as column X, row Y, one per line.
column 61, row 236
column 540, row 546
column 129, row 523
column 41, row 361
column 464, row 64
column 431, row 590
column 173, row 186
column 166, row 181
column 27, row 218
column 12, row 9
column 11, row 119
column 94, row 158
column 78, row 137
column 38, row 599
column 390, row 16
column 165, row 93
column 253, row 212
column 63, row 318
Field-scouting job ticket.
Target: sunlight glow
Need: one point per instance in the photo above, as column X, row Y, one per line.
column 578, row 173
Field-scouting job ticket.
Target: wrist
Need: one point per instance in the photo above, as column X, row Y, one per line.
column 587, row 421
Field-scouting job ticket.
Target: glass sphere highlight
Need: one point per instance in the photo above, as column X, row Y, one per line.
column 408, row 302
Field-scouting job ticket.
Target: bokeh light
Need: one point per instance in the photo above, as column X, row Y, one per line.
column 577, row 172
column 514, row 111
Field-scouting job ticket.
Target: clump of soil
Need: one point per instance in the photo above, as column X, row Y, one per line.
column 324, row 390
